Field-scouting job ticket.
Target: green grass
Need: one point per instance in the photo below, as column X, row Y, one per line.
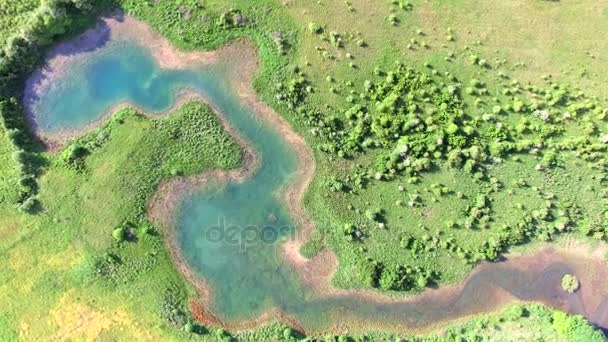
column 476, row 32
column 63, row 263
column 8, row 172
column 50, row 258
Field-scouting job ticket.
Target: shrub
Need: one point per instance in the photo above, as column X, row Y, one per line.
column 389, row 279
column 172, row 307
column 24, row 162
column 287, row 334
column 107, row 267
column 315, row 28
column 374, row 215
column 30, row 205
column 570, row 283
column 352, row 233
column 74, row 155
column 189, row 327
column 29, row 182
column 119, row 234
column 369, row 272
column 576, row 328
column 336, row 39
column 232, row 18
column 515, row 312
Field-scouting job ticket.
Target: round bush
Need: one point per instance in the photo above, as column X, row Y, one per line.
column 570, row 283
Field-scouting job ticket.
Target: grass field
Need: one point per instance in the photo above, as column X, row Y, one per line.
column 63, row 270
column 380, row 209
column 440, row 40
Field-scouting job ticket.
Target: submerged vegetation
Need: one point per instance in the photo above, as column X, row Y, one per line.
column 432, row 154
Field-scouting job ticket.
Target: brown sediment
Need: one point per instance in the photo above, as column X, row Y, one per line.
column 316, row 273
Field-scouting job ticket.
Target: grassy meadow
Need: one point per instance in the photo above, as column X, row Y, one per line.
column 65, row 272
column 496, row 115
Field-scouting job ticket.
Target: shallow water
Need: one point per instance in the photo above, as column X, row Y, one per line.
column 230, row 233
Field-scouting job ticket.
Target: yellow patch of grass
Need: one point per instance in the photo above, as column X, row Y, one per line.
column 11, row 228
column 77, row 321
column 66, row 259
column 20, row 259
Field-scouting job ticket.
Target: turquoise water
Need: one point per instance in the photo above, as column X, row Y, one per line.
column 230, row 233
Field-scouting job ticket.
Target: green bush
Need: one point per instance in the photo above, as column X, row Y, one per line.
column 315, row 28
column 570, row 283
column 374, row 214
column 31, row 205
column 119, row 234
column 173, row 307
column 576, row 328
column 73, row 156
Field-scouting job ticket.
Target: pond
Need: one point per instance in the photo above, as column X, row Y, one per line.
column 230, row 233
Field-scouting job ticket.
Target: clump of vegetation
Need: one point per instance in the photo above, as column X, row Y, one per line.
column 508, row 150
column 73, row 156
column 576, row 328
column 570, row 283
column 30, row 205
column 315, row 28
column 173, row 308
column 336, row 39
column 232, row 18
column 420, row 125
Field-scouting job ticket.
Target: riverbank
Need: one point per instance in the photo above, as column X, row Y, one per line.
column 317, row 272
